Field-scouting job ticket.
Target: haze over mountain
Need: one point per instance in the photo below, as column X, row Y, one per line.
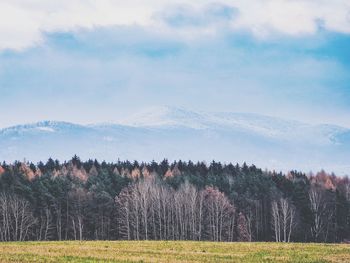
column 173, row 133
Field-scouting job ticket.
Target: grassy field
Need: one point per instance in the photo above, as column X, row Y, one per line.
column 169, row 251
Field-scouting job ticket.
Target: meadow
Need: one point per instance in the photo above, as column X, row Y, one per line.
column 171, row 251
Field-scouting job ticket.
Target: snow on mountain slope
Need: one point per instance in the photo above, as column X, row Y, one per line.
column 167, row 117
column 43, row 126
column 247, row 122
column 174, row 133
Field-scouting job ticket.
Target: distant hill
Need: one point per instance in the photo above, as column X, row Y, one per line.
column 173, row 133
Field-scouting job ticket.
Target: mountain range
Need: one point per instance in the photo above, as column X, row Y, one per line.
column 175, row 133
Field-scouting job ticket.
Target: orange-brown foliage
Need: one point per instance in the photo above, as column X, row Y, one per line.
column 135, row 173
column 145, row 172
column 24, row 168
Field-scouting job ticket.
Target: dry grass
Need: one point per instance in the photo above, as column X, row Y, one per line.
column 171, row 251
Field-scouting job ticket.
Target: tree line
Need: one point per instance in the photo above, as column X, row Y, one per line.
column 89, row 200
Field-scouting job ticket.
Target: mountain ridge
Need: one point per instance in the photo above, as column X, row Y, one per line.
column 170, row 117
column 266, row 141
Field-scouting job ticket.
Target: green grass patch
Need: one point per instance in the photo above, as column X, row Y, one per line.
column 171, row 251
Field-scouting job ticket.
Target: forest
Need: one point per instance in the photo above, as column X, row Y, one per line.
column 92, row 200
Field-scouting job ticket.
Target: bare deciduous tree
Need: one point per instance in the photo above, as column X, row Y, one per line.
column 16, row 218
column 284, row 219
column 150, row 210
column 322, row 210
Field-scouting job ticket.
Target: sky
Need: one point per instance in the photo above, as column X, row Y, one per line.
column 89, row 61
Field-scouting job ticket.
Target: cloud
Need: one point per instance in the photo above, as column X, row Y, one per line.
column 187, row 16
column 24, row 23
column 103, row 72
column 294, row 17
column 106, row 56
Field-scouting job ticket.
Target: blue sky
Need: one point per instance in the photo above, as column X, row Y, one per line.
column 95, row 61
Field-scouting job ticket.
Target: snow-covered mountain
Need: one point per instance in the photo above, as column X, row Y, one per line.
column 167, row 117
column 174, row 133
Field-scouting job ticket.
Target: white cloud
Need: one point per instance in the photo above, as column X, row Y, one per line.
column 293, row 17
column 22, row 22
